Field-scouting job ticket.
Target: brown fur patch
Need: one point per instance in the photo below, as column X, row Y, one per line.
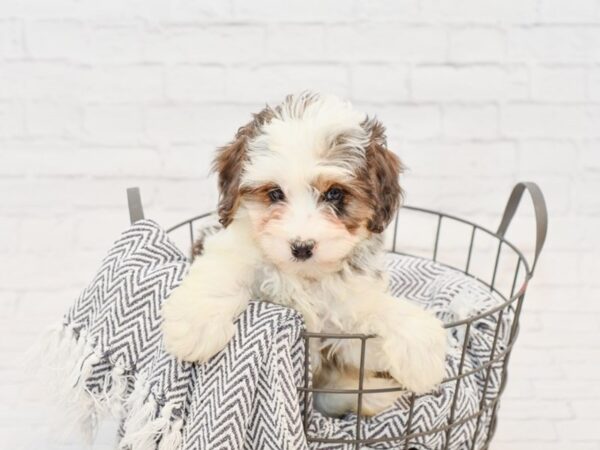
column 198, row 247
column 381, row 174
column 323, row 184
column 203, row 233
column 373, row 197
column 332, row 371
column 229, row 162
column 384, row 375
column 260, row 194
column 359, row 207
column 355, row 210
column 295, row 106
column 274, row 213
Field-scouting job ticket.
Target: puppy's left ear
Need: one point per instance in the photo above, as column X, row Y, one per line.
column 384, row 169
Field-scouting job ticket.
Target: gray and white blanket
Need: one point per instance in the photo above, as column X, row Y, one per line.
column 109, row 358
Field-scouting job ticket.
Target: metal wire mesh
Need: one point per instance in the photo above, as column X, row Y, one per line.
column 511, row 302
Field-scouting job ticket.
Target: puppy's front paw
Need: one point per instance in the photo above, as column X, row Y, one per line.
column 193, row 331
column 417, row 355
column 196, row 341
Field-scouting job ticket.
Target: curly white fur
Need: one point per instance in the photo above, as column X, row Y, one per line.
column 339, row 289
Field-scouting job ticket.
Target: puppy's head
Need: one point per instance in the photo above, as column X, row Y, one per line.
column 313, row 177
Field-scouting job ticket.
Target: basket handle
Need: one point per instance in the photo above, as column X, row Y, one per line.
column 541, row 214
column 134, row 202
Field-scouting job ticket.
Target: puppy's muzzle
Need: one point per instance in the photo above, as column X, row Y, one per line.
column 302, row 250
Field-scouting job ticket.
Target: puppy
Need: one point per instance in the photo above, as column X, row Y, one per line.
column 306, row 190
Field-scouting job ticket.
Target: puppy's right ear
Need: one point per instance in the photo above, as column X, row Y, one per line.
column 229, row 164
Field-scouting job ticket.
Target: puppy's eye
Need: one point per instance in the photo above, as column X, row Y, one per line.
column 276, row 195
column 334, row 195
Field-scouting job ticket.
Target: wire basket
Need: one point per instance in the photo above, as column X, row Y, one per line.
column 511, row 294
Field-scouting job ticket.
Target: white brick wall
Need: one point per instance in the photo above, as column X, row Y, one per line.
column 477, row 94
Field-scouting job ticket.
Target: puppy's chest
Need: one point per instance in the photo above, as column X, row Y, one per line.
column 322, row 303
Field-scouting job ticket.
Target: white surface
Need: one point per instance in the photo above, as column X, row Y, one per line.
column 476, row 94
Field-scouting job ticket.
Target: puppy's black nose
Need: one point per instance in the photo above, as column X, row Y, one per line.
column 302, row 250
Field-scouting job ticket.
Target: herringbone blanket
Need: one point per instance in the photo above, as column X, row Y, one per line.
column 109, row 357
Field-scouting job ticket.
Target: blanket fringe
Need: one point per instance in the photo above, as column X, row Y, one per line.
column 148, row 423
column 64, row 359
column 172, row 439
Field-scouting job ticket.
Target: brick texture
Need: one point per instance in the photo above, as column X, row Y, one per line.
column 476, row 95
